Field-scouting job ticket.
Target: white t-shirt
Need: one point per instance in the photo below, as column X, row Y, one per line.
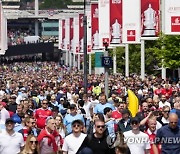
column 137, row 143
column 4, row 114
column 87, row 107
column 161, row 104
column 72, row 143
column 11, row 143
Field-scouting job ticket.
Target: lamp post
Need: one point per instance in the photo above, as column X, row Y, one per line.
column 85, row 48
column 106, row 70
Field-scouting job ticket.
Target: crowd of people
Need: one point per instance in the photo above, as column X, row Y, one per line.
column 44, row 110
column 16, row 37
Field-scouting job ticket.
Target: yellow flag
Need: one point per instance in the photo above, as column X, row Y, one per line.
column 133, row 103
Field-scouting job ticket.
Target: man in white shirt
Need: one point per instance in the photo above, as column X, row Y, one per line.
column 73, row 142
column 137, row 141
column 10, row 141
column 164, row 102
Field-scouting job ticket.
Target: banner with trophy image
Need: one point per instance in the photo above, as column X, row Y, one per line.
column 115, row 21
column 131, row 19
column 76, row 34
column 89, row 32
column 62, row 34
column 71, row 29
column 81, row 33
column 150, row 18
column 171, row 20
column 104, row 23
column 67, row 34
column 95, row 25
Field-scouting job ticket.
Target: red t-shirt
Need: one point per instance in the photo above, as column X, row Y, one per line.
column 41, row 116
column 116, row 114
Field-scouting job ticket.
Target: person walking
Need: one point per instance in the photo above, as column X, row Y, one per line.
column 10, row 141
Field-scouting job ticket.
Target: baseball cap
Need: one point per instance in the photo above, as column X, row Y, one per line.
column 9, row 120
column 77, row 121
column 13, row 96
column 61, row 99
column 135, row 119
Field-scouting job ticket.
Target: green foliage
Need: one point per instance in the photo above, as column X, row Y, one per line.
column 167, row 48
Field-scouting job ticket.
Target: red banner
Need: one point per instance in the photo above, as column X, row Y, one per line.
column 71, row 32
column 175, row 24
column 63, row 34
column 116, row 21
column 150, row 17
column 95, row 26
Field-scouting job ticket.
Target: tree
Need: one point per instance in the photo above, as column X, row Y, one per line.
column 167, row 48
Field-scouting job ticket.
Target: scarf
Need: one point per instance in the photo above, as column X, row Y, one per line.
column 51, row 138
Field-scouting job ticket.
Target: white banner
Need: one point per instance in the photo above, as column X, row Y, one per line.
column 89, row 33
column 131, row 21
column 3, row 32
column 171, row 22
column 76, row 35
column 67, row 34
column 60, row 33
column 104, row 23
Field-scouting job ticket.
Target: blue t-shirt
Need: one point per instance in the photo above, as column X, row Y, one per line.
column 68, row 119
column 170, row 139
column 110, row 126
column 99, row 108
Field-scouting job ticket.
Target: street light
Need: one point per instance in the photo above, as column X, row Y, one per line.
column 85, row 47
column 106, row 69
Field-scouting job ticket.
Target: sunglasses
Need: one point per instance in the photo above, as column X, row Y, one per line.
column 100, row 126
column 76, row 125
column 166, row 111
column 134, row 123
column 34, row 142
column 45, row 103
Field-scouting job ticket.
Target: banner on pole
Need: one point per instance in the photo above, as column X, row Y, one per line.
column 150, row 18
column 104, row 23
column 115, row 21
column 95, row 25
column 172, row 17
column 89, row 32
column 3, row 32
column 71, row 33
column 76, row 35
column 131, row 32
column 62, row 34
column 81, row 33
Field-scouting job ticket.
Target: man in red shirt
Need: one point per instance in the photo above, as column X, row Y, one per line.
column 116, row 114
column 42, row 113
column 167, row 91
column 158, row 91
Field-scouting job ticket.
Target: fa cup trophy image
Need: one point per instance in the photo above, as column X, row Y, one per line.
column 96, row 40
column 116, row 32
column 149, row 21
